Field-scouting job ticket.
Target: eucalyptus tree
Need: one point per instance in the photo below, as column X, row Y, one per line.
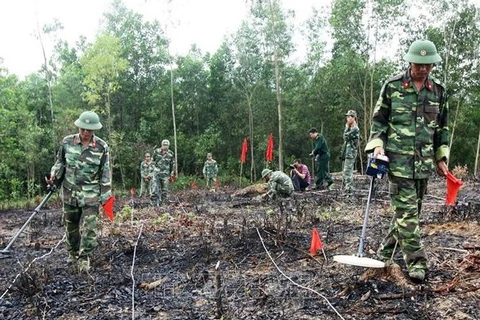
column 145, row 93
column 103, row 64
column 248, row 75
column 23, row 142
column 223, row 130
column 271, row 22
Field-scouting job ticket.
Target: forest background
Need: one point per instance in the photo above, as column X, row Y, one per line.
column 248, row 88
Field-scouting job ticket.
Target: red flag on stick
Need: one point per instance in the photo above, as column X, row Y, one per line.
column 316, row 244
column 269, row 152
column 243, row 156
column 453, row 185
column 108, row 207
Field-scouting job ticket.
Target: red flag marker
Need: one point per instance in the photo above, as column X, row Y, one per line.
column 316, row 244
column 453, row 185
column 108, row 207
column 243, row 156
column 269, row 152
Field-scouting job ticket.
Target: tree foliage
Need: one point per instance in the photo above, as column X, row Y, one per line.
column 251, row 86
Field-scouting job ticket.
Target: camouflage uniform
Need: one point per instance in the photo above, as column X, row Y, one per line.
column 164, row 168
column 412, row 128
column 85, row 176
column 146, row 175
column 349, row 155
column 210, row 171
column 322, row 157
column 280, row 185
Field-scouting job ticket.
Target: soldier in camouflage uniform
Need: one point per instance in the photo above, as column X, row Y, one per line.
column 210, row 171
column 279, row 184
column 146, row 175
column 410, row 126
column 83, row 169
column 349, row 151
column 164, row 170
column 322, row 157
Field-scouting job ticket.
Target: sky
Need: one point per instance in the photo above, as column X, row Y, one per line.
column 203, row 22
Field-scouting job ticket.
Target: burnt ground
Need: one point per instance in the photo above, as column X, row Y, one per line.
column 209, row 255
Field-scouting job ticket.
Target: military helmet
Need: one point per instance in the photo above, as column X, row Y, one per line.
column 88, row 120
column 422, row 52
column 265, row 172
column 352, row 113
column 165, row 143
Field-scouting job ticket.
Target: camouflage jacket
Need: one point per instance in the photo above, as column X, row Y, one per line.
column 412, row 127
column 84, row 172
column 210, row 169
column 279, row 183
column 320, row 147
column 146, row 169
column 164, row 163
column 350, row 144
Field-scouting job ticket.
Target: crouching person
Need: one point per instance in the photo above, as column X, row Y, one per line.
column 279, row 184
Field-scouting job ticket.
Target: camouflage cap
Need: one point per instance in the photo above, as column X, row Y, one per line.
column 88, row 120
column 265, row 172
column 352, row 113
column 165, row 143
column 312, row 130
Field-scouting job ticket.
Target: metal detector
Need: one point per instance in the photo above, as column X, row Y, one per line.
column 7, row 252
column 376, row 168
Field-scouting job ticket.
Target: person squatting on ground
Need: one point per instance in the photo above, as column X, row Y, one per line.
column 349, row 151
column 322, row 157
column 279, row 184
column 300, row 175
column 146, row 176
column 410, row 126
column 210, row 171
column 164, row 170
column 83, row 170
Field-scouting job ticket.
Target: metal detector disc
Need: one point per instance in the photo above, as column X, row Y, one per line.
column 359, row 261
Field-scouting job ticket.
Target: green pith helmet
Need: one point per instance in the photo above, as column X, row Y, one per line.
column 88, row 120
column 265, row 172
column 422, row 52
column 352, row 113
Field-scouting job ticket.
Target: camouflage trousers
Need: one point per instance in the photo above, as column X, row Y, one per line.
column 404, row 231
column 348, row 165
column 281, row 191
column 159, row 190
column 81, row 228
column 210, row 182
column 322, row 171
column 146, row 187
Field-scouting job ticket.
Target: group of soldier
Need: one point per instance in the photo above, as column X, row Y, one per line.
column 158, row 171
column 409, row 126
column 280, row 184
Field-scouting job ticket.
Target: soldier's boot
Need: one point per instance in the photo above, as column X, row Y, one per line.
column 83, row 264
column 72, row 258
column 417, row 275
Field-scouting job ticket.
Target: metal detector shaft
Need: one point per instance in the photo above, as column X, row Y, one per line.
column 37, row 209
column 365, row 219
